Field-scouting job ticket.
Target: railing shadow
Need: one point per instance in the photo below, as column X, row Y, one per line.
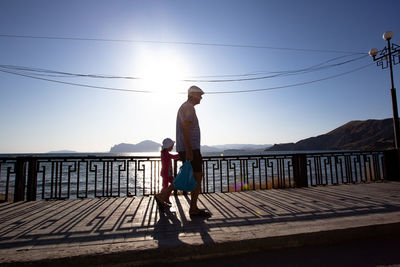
column 137, row 219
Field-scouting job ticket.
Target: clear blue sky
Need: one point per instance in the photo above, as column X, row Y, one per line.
column 41, row 116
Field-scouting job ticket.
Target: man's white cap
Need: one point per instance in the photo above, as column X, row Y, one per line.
column 167, row 143
column 195, row 89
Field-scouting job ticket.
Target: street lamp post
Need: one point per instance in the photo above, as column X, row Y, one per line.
column 391, row 53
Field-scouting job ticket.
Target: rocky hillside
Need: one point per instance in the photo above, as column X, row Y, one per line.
column 145, row 146
column 355, row 135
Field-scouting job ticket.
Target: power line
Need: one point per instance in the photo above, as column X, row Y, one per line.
column 178, row 43
column 215, row 92
column 81, row 85
column 291, row 85
column 54, row 73
column 29, row 71
column 270, row 72
column 279, row 74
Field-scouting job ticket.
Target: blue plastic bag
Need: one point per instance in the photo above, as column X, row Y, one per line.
column 184, row 180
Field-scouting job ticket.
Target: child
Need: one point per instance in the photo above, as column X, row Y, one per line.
column 166, row 165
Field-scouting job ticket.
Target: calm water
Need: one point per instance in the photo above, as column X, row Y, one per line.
column 143, row 178
column 157, row 154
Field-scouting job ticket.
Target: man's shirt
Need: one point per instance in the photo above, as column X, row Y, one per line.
column 187, row 113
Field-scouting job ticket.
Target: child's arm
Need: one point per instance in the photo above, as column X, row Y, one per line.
column 175, row 156
column 172, row 156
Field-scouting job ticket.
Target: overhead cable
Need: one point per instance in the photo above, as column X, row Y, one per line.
column 58, row 74
column 207, row 92
column 276, row 74
column 255, row 73
column 178, row 43
column 290, row 85
column 81, row 85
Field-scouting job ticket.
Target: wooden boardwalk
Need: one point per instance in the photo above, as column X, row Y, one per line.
column 134, row 230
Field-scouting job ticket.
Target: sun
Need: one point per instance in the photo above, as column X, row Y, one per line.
column 162, row 71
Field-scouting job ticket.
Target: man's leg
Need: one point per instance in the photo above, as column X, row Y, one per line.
column 195, row 193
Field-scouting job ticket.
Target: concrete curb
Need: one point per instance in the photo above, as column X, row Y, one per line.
column 223, row 249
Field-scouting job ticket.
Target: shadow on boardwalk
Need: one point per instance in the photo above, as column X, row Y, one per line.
column 41, row 230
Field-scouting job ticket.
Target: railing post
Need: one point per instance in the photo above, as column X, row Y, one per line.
column 20, row 173
column 392, row 164
column 300, row 170
column 32, row 180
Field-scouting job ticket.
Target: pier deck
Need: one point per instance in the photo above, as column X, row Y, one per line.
column 134, row 231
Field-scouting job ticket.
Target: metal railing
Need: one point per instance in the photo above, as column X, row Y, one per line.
column 58, row 177
column 347, row 167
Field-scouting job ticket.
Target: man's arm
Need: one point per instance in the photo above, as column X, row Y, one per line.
column 186, row 139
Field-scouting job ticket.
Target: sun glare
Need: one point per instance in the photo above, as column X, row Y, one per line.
column 162, row 72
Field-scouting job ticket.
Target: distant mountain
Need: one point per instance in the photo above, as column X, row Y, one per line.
column 354, row 135
column 62, row 152
column 246, row 147
column 144, row 146
column 151, row 146
column 210, row 149
column 229, row 147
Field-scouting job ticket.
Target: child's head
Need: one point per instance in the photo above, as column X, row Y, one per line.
column 168, row 144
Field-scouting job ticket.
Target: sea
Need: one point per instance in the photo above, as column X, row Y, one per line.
column 69, row 179
column 156, row 154
column 230, row 152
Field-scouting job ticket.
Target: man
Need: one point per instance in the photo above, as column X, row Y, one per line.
column 188, row 146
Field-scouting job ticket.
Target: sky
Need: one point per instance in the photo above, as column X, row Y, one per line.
column 310, row 58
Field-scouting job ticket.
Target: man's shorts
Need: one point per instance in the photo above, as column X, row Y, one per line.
column 197, row 162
